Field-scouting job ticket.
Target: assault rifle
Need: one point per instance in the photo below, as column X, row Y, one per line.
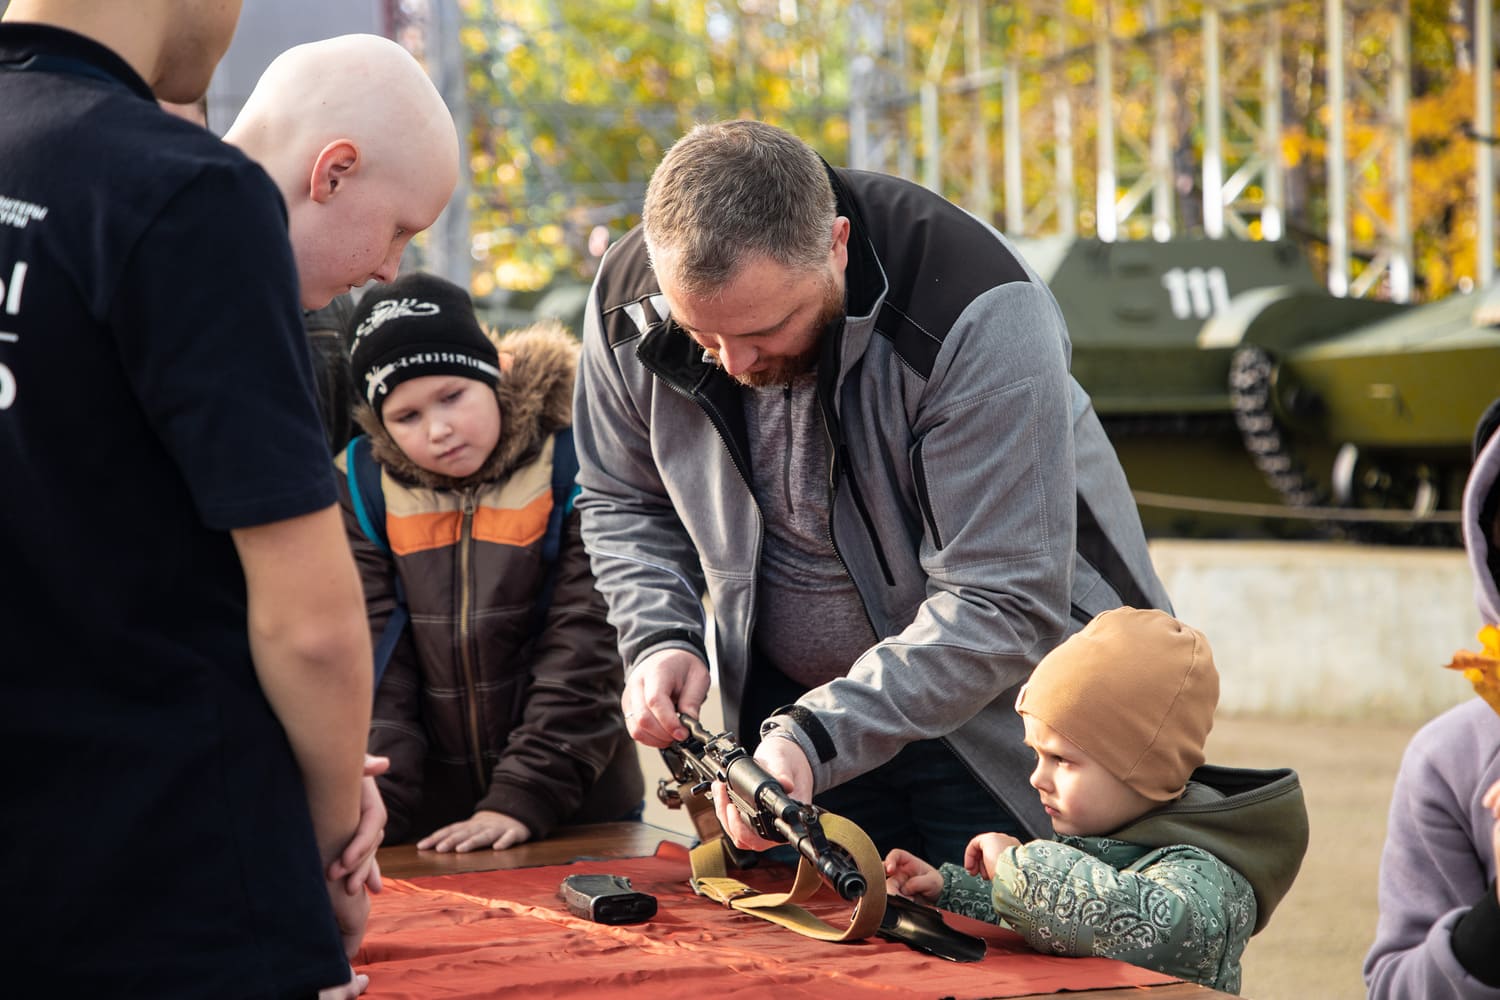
column 702, row 758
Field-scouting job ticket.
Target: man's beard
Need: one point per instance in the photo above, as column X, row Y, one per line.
column 783, row 370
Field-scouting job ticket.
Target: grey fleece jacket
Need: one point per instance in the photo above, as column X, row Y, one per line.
column 976, row 502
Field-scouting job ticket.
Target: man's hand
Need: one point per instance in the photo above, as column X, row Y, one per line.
column 356, row 865
column 485, row 828
column 908, row 875
column 783, row 760
column 357, row 984
column 351, row 912
column 663, row 684
column 984, row 850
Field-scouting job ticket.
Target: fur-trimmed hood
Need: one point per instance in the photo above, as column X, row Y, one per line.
column 539, row 364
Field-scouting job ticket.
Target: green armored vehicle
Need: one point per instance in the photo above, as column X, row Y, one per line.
column 1246, row 400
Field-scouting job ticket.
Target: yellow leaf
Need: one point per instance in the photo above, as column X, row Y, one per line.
column 1482, row 668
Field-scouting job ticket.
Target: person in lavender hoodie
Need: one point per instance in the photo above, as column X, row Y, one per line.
column 1439, row 929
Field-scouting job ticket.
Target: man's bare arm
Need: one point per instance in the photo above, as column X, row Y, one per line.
column 311, row 646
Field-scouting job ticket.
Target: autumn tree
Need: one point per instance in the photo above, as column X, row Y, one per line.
column 574, row 102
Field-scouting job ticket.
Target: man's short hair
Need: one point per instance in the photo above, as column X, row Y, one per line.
column 730, row 192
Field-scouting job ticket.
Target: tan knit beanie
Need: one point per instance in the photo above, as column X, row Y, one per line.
column 1136, row 691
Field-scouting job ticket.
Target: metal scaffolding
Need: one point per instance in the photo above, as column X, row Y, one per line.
column 1239, row 175
column 1134, row 119
column 1484, row 114
column 1375, row 173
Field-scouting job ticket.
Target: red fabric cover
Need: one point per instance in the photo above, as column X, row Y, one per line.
column 484, row 933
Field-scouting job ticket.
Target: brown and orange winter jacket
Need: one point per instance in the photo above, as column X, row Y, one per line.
column 483, row 705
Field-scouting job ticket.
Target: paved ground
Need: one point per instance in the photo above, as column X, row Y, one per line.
column 1315, row 944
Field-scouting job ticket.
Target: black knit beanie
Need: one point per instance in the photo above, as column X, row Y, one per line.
column 417, row 325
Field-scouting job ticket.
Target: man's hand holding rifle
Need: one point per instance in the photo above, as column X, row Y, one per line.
column 748, row 798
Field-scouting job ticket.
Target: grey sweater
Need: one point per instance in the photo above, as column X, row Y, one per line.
column 801, row 578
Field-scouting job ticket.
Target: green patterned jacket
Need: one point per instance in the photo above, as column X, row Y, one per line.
column 1180, row 890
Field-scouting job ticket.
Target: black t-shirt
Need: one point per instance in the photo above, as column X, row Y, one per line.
column 155, row 392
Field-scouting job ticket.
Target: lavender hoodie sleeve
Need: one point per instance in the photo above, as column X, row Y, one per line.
column 1438, row 860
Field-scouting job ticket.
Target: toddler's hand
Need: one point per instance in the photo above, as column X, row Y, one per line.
column 908, row 875
column 983, row 851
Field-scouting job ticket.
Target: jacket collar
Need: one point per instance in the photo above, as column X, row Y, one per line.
column 675, row 358
column 865, row 288
column 1255, row 822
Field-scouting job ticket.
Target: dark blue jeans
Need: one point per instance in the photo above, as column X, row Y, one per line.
column 923, row 800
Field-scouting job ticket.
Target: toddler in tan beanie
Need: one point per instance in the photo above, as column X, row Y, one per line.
column 1160, row 860
column 1136, row 692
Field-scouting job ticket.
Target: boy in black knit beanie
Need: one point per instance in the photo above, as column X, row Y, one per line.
column 499, row 702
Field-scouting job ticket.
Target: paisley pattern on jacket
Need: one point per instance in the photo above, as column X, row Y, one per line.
column 1177, row 909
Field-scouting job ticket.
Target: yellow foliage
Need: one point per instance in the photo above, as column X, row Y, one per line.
column 1482, row 668
column 574, row 101
column 521, row 275
column 1291, row 151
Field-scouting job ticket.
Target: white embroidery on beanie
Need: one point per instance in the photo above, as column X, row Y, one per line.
column 375, row 379
column 384, row 312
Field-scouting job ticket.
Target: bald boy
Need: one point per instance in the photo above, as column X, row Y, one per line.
column 363, row 150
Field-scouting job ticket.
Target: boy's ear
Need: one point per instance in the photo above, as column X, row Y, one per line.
column 338, row 161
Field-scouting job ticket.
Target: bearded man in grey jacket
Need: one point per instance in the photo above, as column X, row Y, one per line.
column 839, row 408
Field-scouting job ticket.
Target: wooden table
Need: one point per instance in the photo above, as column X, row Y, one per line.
column 603, row 840
column 635, row 840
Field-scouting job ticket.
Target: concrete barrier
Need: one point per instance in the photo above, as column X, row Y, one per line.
column 1327, row 631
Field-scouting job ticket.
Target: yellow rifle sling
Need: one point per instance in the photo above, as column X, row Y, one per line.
column 710, row 879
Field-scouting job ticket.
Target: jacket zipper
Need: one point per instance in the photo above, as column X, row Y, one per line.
column 717, row 420
column 833, row 478
column 714, row 417
column 864, row 515
column 465, row 652
column 786, row 478
column 839, row 466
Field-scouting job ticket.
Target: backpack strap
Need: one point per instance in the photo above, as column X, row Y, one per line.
column 565, row 491
column 368, row 500
column 363, row 476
